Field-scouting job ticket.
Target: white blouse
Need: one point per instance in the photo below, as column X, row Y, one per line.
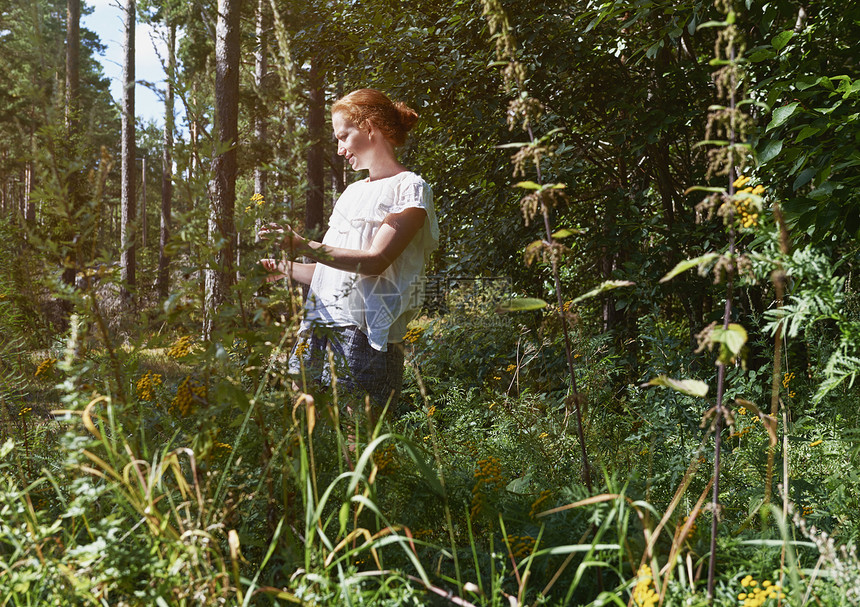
column 380, row 306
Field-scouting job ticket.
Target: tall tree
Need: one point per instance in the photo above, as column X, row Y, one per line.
column 73, row 185
column 261, row 68
column 127, row 238
column 222, row 187
column 163, row 278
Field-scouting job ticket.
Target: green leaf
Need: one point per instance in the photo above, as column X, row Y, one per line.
column 759, row 55
column 565, row 233
column 708, row 24
column 603, row 287
column 521, row 304
column 780, row 40
column 703, row 188
column 343, row 516
column 803, row 178
column 808, row 131
column 689, row 263
column 782, row 114
column 527, row 185
column 521, row 484
column 770, row 150
column 731, row 340
column 690, row 387
column 429, row 475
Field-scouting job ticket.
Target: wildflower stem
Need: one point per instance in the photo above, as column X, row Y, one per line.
column 721, row 367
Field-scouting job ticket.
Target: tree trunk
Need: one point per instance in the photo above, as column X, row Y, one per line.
column 222, row 187
column 162, row 283
column 316, row 151
column 73, row 185
column 73, row 54
column 127, row 195
column 261, row 66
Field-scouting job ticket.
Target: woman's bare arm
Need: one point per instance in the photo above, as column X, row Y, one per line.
column 299, row 272
column 395, row 234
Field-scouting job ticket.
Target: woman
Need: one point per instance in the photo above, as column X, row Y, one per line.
column 367, row 280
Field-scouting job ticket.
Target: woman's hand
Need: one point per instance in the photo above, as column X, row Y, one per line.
column 285, row 236
column 275, row 268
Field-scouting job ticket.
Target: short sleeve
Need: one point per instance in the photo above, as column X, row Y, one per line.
column 411, row 192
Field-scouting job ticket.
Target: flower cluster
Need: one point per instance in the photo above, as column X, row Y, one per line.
column 511, row 367
column 23, row 412
column 488, row 477
column 537, row 505
column 808, row 510
column 301, row 348
column 745, row 207
column 183, row 402
column 413, row 334
column 755, row 595
column 786, row 380
column 488, row 474
column 644, row 594
column 384, row 459
column 45, row 367
column 740, row 433
column 146, row 385
column 255, row 199
column 520, row 545
column 220, row 448
column 693, row 526
column 181, row 348
column 431, row 411
column 419, row 534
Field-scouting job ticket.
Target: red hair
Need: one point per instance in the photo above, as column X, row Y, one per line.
column 364, row 106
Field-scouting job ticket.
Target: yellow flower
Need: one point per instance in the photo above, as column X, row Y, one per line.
column 537, row 505
column 258, row 198
column 431, row 411
column 741, row 181
column 643, row 594
column 815, row 443
column 145, row 386
column 45, row 367
column 188, row 391
column 511, row 367
column 384, row 459
column 181, row 348
column 413, row 334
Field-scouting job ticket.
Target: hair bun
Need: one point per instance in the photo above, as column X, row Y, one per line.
column 408, row 116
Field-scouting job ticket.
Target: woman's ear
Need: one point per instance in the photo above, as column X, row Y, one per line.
column 372, row 131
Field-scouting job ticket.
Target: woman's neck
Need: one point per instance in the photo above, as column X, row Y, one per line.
column 386, row 169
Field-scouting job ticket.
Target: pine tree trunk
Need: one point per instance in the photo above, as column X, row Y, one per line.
column 222, row 187
column 261, row 67
column 163, row 278
column 128, row 154
column 73, row 53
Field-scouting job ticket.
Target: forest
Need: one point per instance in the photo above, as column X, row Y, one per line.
column 634, row 378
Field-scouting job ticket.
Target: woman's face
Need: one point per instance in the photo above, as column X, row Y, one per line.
column 353, row 143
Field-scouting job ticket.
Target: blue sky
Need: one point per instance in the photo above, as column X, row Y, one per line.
column 107, row 22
